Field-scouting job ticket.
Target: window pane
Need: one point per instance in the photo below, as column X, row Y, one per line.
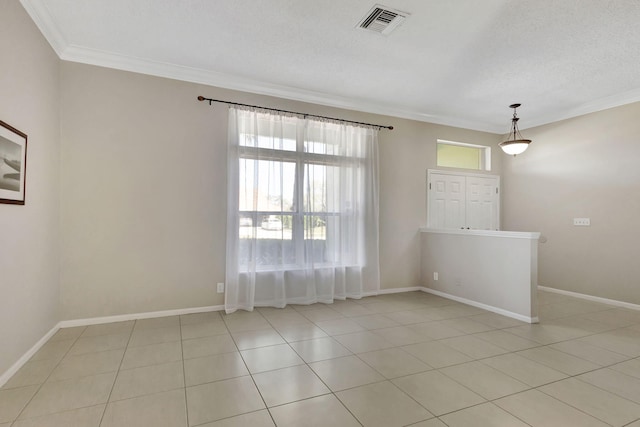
column 457, row 156
column 322, row 138
column 315, row 188
column 315, row 227
column 267, row 186
column 271, row 239
column 267, row 133
column 326, row 187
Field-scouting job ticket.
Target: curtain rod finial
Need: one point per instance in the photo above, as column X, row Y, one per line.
column 201, row 98
column 390, row 127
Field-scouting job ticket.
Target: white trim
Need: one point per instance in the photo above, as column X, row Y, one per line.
column 491, row 233
column 43, row 20
column 391, row 291
column 608, row 301
column 477, row 174
column 483, row 306
column 605, row 103
column 6, row 376
column 135, row 316
column 461, row 144
column 46, row 24
column 83, row 55
column 152, row 314
column 97, row 321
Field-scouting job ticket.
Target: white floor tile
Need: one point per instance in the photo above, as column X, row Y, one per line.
column 12, row 401
column 85, row 417
column 321, row 411
column 437, row 392
column 483, row 415
column 388, row 360
column 594, row 401
column 319, row 349
column 148, row 380
column 524, row 370
column 382, row 404
column 222, row 399
column 484, row 380
column 270, row 358
column 345, row 372
column 59, row 396
column 538, row 409
column 214, row 368
column 289, row 385
column 394, row 362
column 254, row 419
column 159, row 410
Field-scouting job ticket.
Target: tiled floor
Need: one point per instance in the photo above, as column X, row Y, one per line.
column 392, row 360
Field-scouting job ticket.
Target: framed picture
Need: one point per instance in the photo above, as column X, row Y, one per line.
column 13, row 164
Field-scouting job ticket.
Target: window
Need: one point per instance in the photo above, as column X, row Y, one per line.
column 296, row 186
column 463, row 156
column 302, row 210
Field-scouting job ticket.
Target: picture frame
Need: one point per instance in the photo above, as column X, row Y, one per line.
column 13, row 164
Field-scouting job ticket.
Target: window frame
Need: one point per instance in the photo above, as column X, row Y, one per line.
column 301, row 158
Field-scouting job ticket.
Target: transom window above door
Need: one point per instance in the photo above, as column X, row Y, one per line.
column 462, row 155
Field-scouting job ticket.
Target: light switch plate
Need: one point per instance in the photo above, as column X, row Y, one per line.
column 582, row 222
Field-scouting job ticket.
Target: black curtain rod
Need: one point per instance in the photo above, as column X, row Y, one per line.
column 202, row 98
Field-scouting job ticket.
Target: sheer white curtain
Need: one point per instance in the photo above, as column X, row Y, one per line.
column 302, row 210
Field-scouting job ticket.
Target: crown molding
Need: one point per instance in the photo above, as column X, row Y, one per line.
column 43, row 19
column 101, row 58
column 600, row 104
column 85, row 55
column 45, row 23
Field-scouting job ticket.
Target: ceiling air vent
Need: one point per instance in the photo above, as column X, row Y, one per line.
column 382, row 19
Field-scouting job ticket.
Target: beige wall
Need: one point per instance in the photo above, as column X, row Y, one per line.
column 143, row 190
column 582, row 167
column 405, row 155
column 29, row 280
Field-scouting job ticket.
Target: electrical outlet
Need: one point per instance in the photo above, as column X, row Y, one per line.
column 220, row 288
column 582, row 222
column 435, row 275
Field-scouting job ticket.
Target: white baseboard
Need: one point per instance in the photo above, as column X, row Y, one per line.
column 148, row 315
column 25, row 357
column 97, row 321
column 592, row 298
column 391, row 291
column 399, row 290
column 136, row 316
column 482, row 306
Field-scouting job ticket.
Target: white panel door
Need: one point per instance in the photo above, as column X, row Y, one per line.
column 447, row 201
column 463, row 201
column 482, row 203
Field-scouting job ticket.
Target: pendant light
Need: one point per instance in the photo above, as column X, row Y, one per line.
column 515, row 143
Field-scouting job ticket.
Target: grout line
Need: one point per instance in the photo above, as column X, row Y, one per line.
column 312, row 371
column 247, row 367
column 48, row 376
column 184, row 374
column 393, row 299
column 115, row 379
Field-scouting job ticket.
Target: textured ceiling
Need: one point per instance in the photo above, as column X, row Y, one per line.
column 455, row 62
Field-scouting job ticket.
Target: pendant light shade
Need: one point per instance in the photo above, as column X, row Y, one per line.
column 515, row 143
